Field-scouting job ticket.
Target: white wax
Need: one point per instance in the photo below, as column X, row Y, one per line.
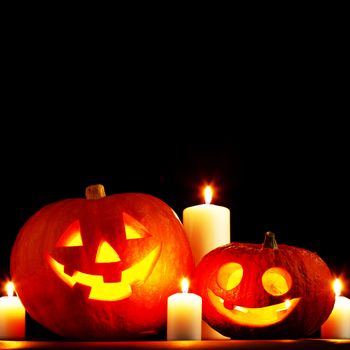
column 207, row 227
column 184, row 319
column 337, row 325
column 12, row 318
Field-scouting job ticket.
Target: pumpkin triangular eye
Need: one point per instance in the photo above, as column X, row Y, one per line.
column 133, row 229
column 132, row 233
column 106, row 254
column 71, row 237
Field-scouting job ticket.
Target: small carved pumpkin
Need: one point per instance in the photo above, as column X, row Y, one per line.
column 264, row 291
column 101, row 267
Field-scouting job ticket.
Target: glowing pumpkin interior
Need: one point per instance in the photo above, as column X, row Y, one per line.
column 108, row 257
column 276, row 281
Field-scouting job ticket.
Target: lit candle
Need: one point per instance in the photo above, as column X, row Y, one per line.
column 207, row 227
column 337, row 326
column 184, row 318
column 12, row 315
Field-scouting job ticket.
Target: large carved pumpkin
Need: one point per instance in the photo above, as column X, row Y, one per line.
column 101, row 267
column 264, row 291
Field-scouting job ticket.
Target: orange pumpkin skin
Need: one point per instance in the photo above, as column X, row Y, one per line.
column 246, row 310
column 148, row 255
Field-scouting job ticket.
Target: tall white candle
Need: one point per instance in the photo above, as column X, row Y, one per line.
column 12, row 315
column 337, row 326
column 184, row 318
column 207, row 227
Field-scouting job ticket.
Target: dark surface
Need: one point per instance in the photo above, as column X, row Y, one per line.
column 312, row 344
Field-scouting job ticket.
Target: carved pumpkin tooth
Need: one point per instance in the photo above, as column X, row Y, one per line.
column 112, row 276
column 82, row 289
column 228, row 304
column 69, row 270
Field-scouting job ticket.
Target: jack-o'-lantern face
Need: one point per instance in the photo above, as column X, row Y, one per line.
column 109, row 275
column 275, row 281
column 101, row 267
column 263, row 291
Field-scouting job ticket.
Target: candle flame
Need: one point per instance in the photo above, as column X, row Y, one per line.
column 287, row 303
column 337, row 286
column 208, row 194
column 184, row 285
column 10, row 288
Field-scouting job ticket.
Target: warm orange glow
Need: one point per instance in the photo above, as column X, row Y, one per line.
column 208, row 194
column 254, row 317
column 109, row 291
column 184, row 285
column 106, row 254
column 132, row 233
column 276, row 281
column 229, row 275
column 337, row 286
column 133, row 228
column 71, row 236
column 10, row 288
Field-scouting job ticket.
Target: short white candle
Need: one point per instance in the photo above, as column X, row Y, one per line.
column 207, row 227
column 337, row 326
column 184, row 318
column 12, row 315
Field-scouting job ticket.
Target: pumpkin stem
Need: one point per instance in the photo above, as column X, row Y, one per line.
column 270, row 240
column 95, row 192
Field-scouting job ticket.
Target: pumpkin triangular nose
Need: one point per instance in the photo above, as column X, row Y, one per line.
column 106, row 254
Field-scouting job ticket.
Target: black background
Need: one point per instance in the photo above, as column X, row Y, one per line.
column 260, row 116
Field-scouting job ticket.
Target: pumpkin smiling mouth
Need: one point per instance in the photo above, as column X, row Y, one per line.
column 115, row 291
column 257, row 317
